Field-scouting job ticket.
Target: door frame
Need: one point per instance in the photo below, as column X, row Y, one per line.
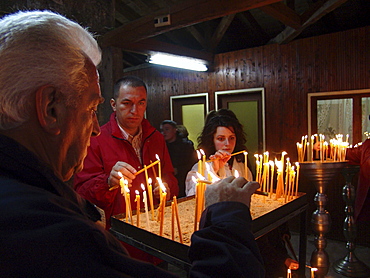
column 260, row 90
column 191, row 96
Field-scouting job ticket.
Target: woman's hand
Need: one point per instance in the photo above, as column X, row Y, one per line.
column 219, row 159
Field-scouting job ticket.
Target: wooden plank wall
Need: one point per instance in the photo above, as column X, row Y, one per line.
column 334, row 62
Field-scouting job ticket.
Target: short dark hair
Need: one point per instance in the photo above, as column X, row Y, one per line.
column 132, row 81
column 169, row 122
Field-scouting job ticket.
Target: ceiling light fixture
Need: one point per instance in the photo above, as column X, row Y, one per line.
column 178, row 61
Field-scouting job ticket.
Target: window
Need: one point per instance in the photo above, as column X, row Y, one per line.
column 344, row 113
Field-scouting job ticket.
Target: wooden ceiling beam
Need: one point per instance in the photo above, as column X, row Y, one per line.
column 284, row 14
column 288, row 34
column 182, row 15
column 220, row 31
column 198, row 36
column 248, row 18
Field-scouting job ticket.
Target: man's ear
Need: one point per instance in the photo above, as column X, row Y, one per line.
column 113, row 104
column 46, row 108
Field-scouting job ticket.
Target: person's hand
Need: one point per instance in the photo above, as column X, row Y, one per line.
column 219, row 159
column 126, row 170
column 156, row 190
column 291, row 264
column 231, row 189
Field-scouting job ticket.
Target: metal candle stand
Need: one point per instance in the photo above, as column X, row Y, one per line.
column 321, row 174
column 350, row 266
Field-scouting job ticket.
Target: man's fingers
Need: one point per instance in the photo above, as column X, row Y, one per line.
column 251, row 186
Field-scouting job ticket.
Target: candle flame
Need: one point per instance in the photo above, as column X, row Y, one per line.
column 214, row 177
column 157, row 157
column 271, row 163
column 200, row 176
column 143, row 187
column 120, row 174
column 236, row 174
column 150, row 180
column 127, row 190
column 245, row 153
column 194, row 179
column 125, row 182
column 161, row 184
column 199, row 155
column 137, row 192
column 202, row 152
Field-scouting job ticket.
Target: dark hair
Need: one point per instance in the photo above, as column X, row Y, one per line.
column 205, row 140
column 169, row 122
column 131, row 81
column 183, row 132
column 219, row 112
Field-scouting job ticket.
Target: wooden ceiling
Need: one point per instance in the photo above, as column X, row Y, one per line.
column 203, row 28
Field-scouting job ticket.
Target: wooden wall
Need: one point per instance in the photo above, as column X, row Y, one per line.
column 334, row 62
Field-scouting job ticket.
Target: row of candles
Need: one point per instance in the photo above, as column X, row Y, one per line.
column 338, row 147
column 286, row 184
column 286, row 187
column 313, row 270
column 148, row 201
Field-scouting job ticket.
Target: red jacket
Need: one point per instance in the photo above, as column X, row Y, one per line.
column 103, row 153
column 361, row 156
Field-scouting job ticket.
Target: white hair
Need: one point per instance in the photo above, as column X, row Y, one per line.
column 39, row 48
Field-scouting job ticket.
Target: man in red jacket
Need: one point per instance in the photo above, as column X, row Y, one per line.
column 126, row 143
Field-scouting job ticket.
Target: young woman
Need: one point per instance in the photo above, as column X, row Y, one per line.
column 221, row 136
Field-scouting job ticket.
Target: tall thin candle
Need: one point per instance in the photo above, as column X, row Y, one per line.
column 145, row 201
column 137, row 200
column 159, row 166
column 150, row 193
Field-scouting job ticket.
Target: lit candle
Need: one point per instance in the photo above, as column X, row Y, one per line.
column 159, row 166
column 245, row 165
column 296, row 179
column 257, row 166
column 128, row 202
column 203, row 161
column 150, row 193
column 313, row 269
column 137, row 200
column 160, row 188
column 261, row 170
column 272, row 166
column 199, row 162
column 145, row 201
column 163, row 205
column 236, row 174
column 289, row 275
